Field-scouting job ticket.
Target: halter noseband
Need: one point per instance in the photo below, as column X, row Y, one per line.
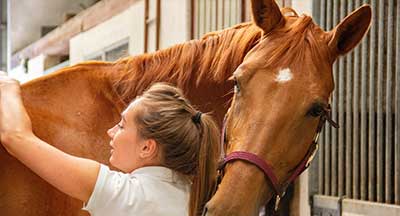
column 254, row 159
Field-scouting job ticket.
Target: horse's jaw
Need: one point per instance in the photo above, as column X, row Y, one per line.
column 242, row 192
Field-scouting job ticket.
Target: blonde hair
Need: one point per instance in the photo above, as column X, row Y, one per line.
column 188, row 145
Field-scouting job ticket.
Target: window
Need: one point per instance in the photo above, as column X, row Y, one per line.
column 112, row 53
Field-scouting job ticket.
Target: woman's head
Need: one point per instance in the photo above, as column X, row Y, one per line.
column 168, row 130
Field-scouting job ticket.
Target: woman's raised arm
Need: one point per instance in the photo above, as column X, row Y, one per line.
column 72, row 175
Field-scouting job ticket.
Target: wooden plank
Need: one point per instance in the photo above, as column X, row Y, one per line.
column 193, row 21
column 158, row 23
column 243, row 9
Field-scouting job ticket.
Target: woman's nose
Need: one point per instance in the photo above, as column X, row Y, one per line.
column 111, row 132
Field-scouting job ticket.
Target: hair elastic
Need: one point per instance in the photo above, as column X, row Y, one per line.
column 197, row 117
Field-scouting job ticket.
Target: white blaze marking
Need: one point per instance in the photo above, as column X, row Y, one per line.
column 284, row 75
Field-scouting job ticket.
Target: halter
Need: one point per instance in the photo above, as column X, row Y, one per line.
column 254, row 159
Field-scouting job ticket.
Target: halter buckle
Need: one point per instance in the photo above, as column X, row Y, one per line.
column 277, row 202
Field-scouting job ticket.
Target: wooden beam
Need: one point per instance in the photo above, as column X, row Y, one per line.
column 158, row 23
column 57, row 41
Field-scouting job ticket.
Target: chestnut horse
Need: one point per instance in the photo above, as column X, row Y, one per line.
column 73, row 108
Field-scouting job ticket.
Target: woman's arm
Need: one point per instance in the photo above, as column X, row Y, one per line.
column 72, row 175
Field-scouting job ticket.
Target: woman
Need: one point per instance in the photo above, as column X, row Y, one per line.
column 166, row 152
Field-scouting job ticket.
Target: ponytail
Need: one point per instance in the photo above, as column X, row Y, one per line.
column 205, row 179
column 189, row 140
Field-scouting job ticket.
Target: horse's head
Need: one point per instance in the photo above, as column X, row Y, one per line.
column 282, row 89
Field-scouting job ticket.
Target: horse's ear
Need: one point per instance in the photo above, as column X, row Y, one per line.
column 266, row 14
column 350, row 30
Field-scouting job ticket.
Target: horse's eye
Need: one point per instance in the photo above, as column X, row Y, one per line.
column 236, row 85
column 316, row 110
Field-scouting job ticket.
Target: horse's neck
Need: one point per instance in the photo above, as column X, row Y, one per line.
column 209, row 60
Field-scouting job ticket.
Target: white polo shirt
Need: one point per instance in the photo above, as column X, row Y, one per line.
column 153, row 190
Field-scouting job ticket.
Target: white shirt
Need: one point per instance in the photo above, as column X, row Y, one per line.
column 153, row 190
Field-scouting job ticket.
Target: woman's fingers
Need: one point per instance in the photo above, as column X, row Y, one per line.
column 8, row 84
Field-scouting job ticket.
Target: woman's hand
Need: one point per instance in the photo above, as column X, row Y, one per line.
column 14, row 120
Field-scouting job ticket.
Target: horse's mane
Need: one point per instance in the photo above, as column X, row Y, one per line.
column 213, row 58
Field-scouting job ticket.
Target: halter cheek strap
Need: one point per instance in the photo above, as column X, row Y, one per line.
column 266, row 168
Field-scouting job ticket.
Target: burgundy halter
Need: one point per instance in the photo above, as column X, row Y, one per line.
column 254, row 159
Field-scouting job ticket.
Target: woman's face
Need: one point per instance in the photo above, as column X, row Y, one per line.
column 126, row 143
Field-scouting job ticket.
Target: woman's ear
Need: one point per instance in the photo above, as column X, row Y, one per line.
column 149, row 149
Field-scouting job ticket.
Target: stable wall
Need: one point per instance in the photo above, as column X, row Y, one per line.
column 128, row 25
column 175, row 20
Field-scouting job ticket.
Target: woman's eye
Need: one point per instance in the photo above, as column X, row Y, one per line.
column 119, row 125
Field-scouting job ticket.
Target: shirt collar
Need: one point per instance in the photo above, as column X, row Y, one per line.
column 160, row 172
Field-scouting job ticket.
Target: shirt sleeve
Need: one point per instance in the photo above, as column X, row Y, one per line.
column 113, row 192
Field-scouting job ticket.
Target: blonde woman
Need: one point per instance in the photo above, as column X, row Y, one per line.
column 164, row 148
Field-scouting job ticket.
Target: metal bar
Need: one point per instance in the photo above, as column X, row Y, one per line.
column 213, row 18
column 371, row 108
column 341, row 132
column 317, row 13
column 321, row 159
column 363, row 135
column 2, row 29
column 349, row 112
column 207, row 17
column 356, row 122
column 223, row 14
column 334, row 143
column 356, row 137
column 388, row 125
column 397, row 113
column 146, row 26
column 379, row 105
column 328, row 167
column 237, row 12
column 228, row 13
column 326, row 159
column 209, row 6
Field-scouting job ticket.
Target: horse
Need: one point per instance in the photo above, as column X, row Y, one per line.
column 281, row 101
column 73, row 107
